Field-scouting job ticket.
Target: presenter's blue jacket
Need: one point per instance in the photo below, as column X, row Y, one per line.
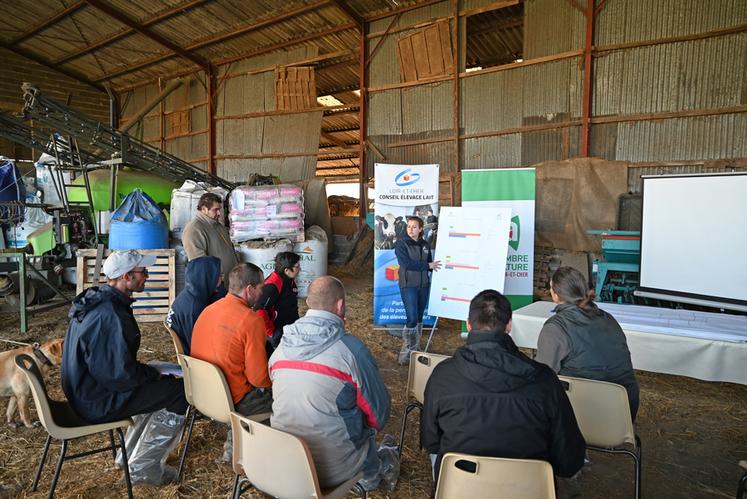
column 413, row 258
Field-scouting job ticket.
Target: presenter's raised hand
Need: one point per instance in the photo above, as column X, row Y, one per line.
column 435, row 266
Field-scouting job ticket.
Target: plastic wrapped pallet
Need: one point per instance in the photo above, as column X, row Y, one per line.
column 313, row 253
column 184, row 204
column 266, row 212
column 262, row 253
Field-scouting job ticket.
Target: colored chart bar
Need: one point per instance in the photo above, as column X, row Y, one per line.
column 464, row 234
column 454, row 298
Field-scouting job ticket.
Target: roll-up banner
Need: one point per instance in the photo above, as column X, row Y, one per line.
column 509, row 188
column 401, row 191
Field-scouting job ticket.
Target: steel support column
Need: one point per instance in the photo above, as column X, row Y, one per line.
column 210, row 77
column 362, row 180
column 587, row 90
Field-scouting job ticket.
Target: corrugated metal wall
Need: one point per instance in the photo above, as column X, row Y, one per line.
column 704, row 75
column 268, row 138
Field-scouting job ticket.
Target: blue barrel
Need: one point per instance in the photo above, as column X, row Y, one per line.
column 138, row 223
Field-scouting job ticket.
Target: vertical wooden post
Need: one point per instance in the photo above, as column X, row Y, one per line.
column 362, row 179
column 455, row 48
column 587, row 91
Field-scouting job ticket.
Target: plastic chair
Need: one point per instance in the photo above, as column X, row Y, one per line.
column 421, row 367
column 278, row 463
column 178, row 345
column 207, row 392
column 603, row 415
column 61, row 422
column 742, row 481
column 476, row 477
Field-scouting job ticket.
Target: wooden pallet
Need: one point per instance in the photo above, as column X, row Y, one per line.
column 154, row 302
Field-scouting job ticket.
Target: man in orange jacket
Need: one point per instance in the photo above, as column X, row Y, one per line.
column 230, row 335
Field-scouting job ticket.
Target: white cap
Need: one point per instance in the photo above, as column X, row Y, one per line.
column 120, row 262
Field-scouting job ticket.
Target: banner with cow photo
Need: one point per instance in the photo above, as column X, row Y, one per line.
column 401, row 191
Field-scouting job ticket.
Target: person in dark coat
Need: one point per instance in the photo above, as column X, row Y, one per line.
column 101, row 376
column 203, row 286
column 415, row 266
column 583, row 341
column 492, row 400
column 278, row 304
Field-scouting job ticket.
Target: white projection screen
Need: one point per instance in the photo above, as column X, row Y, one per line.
column 694, row 239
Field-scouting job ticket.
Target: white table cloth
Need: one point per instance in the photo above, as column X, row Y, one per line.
column 702, row 345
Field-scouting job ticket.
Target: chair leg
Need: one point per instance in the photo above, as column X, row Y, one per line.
column 41, row 463
column 57, row 471
column 125, row 464
column 742, row 486
column 638, row 467
column 359, row 488
column 191, row 414
column 114, row 445
column 408, row 409
column 235, row 488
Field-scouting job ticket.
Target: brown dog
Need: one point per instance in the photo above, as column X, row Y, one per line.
column 13, row 382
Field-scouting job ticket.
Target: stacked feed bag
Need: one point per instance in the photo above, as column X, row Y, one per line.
column 313, row 253
column 266, row 212
column 184, row 204
column 262, row 253
column 138, row 223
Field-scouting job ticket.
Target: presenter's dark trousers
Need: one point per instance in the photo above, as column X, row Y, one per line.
column 415, row 301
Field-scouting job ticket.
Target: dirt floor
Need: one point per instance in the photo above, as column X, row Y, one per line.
column 693, row 432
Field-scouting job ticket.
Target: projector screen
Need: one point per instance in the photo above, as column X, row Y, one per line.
column 694, row 239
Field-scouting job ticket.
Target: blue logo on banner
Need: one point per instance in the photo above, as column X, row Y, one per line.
column 406, row 177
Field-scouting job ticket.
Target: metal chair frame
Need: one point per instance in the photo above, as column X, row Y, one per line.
column 29, row 368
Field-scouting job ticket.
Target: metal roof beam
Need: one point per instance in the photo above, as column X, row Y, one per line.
column 350, row 12
column 218, row 38
column 127, row 21
column 103, row 42
column 47, row 23
column 70, row 74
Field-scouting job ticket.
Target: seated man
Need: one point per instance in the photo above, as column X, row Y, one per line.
column 101, row 376
column 230, row 335
column 203, row 282
column 327, row 389
column 492, row 400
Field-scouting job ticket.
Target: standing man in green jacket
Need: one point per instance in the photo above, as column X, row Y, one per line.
column 205, row 235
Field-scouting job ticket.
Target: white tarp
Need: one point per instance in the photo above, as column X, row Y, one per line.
column 702, row 345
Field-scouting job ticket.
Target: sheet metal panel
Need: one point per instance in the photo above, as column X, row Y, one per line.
column 708, row 137
column 492, row 152
column 635, row 20
column 552, row 26
column 428, row 107
column 634, row 173
column 698, row 74
column 384, row 113
column 491, row 101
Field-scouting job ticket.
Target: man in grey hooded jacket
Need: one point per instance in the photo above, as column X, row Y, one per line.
column 327, row 389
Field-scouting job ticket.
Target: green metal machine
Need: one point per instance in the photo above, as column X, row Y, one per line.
column 617, row 273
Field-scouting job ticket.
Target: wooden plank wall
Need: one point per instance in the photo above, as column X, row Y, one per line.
column 154, row 302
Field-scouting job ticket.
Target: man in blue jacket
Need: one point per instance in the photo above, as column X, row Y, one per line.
column 101, row 376
column 203, row 286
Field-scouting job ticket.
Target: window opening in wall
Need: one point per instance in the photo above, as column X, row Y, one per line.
column 495, row 37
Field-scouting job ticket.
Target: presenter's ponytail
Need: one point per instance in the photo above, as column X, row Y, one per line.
column 571, row 287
